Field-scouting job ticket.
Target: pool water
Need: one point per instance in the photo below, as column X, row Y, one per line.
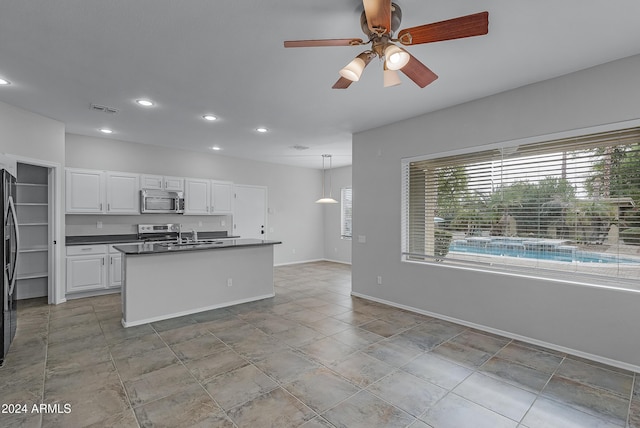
column 540, row 249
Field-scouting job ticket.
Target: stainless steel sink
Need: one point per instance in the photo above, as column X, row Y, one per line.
column 191, row 244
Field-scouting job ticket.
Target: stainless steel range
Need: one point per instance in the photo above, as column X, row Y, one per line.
column 170, row 232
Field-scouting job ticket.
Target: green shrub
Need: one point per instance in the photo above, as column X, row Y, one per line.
column 631, row 235
column 442, row 240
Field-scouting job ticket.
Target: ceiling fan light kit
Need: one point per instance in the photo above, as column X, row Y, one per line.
column 379, row 21
column 353, row 70
column 391, row 77
column 396, row 57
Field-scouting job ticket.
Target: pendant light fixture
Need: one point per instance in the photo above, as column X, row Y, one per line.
column 324, row 199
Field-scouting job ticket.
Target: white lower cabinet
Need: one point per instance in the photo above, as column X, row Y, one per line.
column 93, row 268
column 86, row 268
column 115, row 268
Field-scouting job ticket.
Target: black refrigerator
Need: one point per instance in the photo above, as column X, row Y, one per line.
column 9, row 257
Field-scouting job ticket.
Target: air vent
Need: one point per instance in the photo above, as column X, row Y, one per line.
column 299, row 147
column 103, row 109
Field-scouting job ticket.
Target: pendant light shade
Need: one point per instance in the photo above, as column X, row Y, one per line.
column 396, row 57
column 326, row 199
column 353, row 70
column 391, row 77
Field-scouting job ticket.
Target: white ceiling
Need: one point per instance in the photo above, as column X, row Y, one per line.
column 227, row 58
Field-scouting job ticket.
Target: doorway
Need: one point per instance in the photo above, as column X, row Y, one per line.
column 35, row 206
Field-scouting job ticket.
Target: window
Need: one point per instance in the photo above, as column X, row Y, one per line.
column 564, row 207
column 346, row 216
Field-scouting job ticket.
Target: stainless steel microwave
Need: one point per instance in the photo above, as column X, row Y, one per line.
column 161, row 201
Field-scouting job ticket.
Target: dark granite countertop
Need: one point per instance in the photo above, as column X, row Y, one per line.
column 132, row 238
column 100, row 239
column 163, row 248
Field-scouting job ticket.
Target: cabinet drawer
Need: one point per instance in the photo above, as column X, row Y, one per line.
column 81, row 250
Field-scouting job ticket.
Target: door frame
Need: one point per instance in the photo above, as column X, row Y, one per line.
column 55, row 174
column 266, row 206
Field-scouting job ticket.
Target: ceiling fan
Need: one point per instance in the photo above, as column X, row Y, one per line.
column 379, row 21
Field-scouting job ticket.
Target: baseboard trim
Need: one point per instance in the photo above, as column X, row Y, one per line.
column 338, row 261
column 194, row 311
column 575, row 352
column 300, row 262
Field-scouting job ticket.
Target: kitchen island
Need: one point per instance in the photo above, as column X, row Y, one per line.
column 168, row 280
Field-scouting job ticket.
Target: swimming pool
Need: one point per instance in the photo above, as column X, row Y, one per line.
column 542, row 249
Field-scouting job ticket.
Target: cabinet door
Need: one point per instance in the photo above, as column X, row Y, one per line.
column 123, row 193
column 174, row 184
column 84, row 191
column 115, row 270
column 153, row 182
column 221, row 197
column 85, row 273
column 196, row 196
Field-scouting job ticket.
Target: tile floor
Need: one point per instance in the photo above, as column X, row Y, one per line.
column 312, row 356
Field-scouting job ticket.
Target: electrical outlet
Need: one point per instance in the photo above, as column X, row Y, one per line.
column 199, row 224
column 379, row 280
column 293, row 250
column 99, row 225
column 229, row 282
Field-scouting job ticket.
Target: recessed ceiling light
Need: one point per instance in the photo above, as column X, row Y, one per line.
column 145, row 103
column 262, row 130
column 4, row 82
column 209, row 117
column 106, row 131
column 215, row 148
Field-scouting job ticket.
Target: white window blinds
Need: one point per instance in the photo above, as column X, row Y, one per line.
column 562, row 207
column 346, row 217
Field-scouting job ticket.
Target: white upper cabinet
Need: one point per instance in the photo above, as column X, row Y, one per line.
column 153, row 182
column 85, row 191
column 208, row 197
column 221, row 197
column 108, row 192
column 174, row 184
column 197, row 196
column 101, row 192
column 161, row 182
column 123, row 193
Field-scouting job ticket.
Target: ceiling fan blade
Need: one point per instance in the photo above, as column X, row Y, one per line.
column 342, row 83
column 322, row 42
column 418, row 72
column 456, row 28
column 378, row 13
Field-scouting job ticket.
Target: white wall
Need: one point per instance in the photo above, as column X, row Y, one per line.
column 38, row 140
column 594, row 322
column 335, row 248
column 293, row 216
column 30, row 135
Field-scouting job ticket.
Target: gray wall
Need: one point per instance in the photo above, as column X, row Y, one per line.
column 595, row 322
column 293, row 216
column 39, row 140
column 335, row 248
column 29, row 135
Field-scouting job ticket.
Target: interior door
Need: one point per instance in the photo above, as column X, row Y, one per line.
column 250, row 212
